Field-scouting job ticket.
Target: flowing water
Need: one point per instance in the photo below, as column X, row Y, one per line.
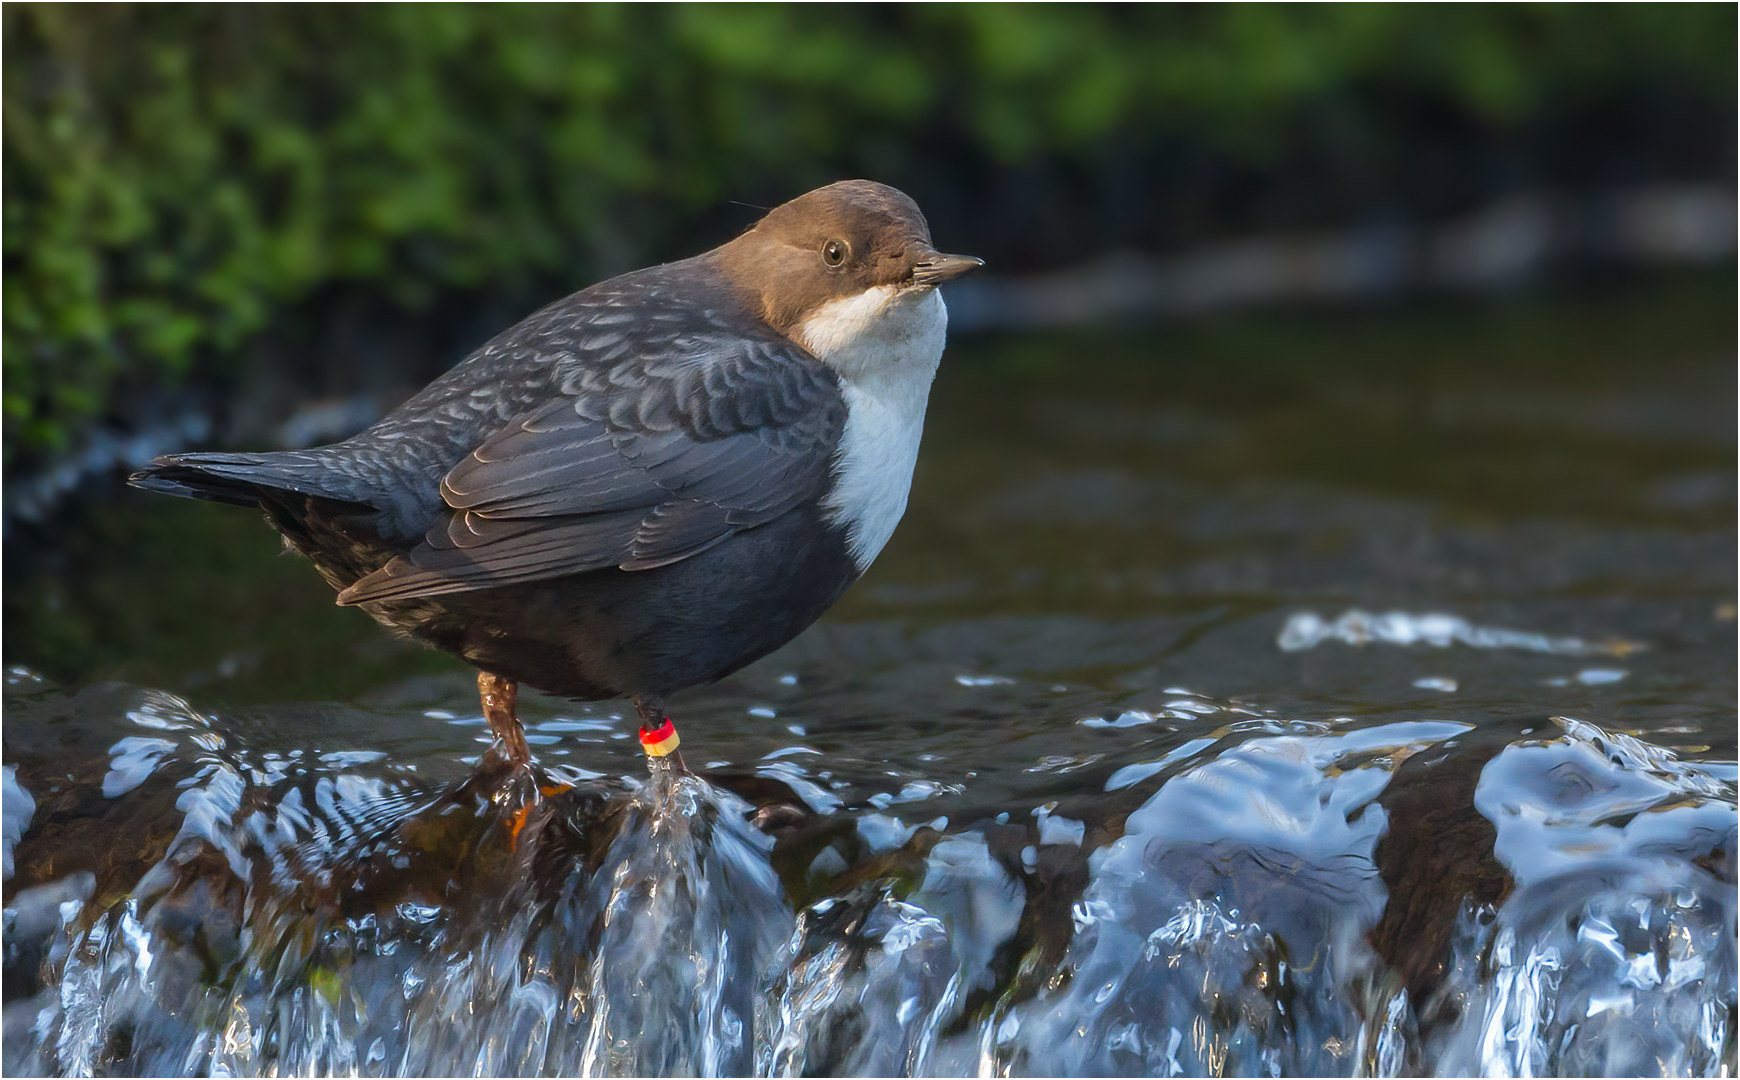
column 1277, row 696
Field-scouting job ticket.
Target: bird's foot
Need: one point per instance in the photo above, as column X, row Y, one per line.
column 499, row 697
column 521, row 790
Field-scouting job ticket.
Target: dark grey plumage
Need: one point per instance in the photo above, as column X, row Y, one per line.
column 624, row 493
column 638, row 462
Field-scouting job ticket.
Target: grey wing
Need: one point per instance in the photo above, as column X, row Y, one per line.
column 636, row 466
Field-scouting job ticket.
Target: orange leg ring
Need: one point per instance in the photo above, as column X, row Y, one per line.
column 661, row 741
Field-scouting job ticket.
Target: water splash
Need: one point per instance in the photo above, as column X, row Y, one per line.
column 1215, row 906
column 1307, row 630
column 325, row 925
column 1616, row 953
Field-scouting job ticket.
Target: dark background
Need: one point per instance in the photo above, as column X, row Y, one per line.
column 244, row 206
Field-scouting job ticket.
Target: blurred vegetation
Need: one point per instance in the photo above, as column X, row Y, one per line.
column 177, row 177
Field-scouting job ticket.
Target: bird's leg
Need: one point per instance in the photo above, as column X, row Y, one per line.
column 506, row 769
column 499, row 696
column 658, row 737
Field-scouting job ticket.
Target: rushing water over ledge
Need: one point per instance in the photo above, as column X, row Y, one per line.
column 1263, row 897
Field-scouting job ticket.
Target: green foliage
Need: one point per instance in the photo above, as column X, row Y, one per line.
column 175, row 174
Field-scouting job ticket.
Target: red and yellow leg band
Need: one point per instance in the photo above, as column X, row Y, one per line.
column 659, row 741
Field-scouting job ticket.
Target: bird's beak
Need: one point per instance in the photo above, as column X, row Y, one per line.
column 934, row 268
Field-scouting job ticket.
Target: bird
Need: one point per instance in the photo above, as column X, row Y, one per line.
column 642, row 487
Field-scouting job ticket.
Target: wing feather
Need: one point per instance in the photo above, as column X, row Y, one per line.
column 649, row 461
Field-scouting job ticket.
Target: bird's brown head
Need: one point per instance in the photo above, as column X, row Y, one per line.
column 836, row 243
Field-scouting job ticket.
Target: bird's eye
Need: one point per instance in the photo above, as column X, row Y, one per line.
column 834, row 252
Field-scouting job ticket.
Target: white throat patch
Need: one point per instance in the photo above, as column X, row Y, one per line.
column 885, row 347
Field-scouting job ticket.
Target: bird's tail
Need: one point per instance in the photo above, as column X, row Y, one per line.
column 246, row 479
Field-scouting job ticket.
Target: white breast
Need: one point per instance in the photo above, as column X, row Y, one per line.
column 885, row 346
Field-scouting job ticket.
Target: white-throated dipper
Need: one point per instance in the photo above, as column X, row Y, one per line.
column 647, row 485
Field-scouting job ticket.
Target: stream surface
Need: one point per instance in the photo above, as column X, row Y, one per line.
column 1327, row 694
